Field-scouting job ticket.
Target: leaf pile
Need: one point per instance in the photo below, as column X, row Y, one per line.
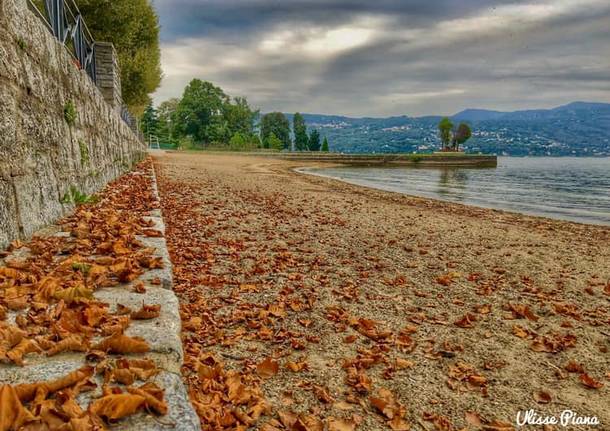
column 47, row 287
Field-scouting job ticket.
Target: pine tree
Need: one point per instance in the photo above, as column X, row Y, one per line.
column 275, row 143
column 325, row 147
column 301, row 141
column 314, row 140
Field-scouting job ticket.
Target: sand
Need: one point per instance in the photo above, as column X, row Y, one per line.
column 467, row 295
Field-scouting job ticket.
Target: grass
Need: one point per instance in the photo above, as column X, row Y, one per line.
column 70, row 113
column 74, row 196
column 84, row 152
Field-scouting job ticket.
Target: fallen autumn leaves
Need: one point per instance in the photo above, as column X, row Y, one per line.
column 312, row 305
column 47, row 306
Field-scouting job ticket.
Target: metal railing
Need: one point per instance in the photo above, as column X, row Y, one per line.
column 65, row 21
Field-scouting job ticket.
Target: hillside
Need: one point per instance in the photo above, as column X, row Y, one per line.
column 576, row 129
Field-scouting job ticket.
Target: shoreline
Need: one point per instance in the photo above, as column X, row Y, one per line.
column 345, row 291
column 308, row 170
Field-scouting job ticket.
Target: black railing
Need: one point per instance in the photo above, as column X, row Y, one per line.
column 65, row 21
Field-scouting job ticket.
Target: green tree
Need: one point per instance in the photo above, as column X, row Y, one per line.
column 274, row 142
column 166, row 113
column 133, row 28
column 238, row 142
column 149, row 123
column 314, row 140
column 275, row 123
column 461, row 135
column 301, row 141
column 240, row 116
column 444, row 127
column 325, row 147
column 200, row 113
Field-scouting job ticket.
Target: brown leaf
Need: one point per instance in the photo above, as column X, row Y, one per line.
column 473, row 418
column 116, row 406
column 73, row 343
column 467, row 321
column 73, row 294
column 542, row 397
column 122, row 344
column 24, row 347
column 147, row 312
column 574, row 367
column 590, row 382
column 268, row 368
column 151, row 402
column 340, row 424
column 13, row 414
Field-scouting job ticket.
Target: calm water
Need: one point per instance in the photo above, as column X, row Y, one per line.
column 576, row 189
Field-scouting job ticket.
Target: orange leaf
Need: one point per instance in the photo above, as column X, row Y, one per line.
column 590, row 382
column 147, row 312
column 268, row 368
column 340, row 425
column 116, row 406
column 119, row 343
column 12, row 413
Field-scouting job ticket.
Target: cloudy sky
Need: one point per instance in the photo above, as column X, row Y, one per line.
column 389, row 57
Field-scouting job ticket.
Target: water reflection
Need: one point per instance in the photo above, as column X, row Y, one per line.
column 576, row 189
column 452, row 182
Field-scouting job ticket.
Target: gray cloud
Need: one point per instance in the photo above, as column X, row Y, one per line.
column 412, row 57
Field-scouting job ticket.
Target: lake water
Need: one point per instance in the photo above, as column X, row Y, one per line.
column 568, row 188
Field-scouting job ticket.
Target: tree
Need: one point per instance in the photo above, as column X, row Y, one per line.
column 238, row 142
column 166, row 114
column 239, row 116
column 301, row 141
column 461, row 135
column 314, row 140
column 276, row 123
column 200, row 113
column 133, row 28
column 325, row 147
column 149, row 123
column 275, row 143
column 444, row 127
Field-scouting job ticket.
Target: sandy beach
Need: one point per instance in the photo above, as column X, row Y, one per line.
column 355, row 308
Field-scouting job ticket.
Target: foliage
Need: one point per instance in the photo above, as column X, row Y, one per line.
column 275, row 143
column 149, row 123
column 200, row 113
column 84, row 152
column 207, row 116
column 277, row 124
column 325, row 147
column 74, row 196
column 461, row 135
column 70, row 113
column 22, row 44
column 314, row 140
column 166, row 121
column 239, row 116
column 133, row 28
column 444, row 128
column 301, row 141
column 243, row 142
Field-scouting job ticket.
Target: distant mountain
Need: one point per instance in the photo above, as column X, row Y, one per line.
column 576, row 129
column 477, row 115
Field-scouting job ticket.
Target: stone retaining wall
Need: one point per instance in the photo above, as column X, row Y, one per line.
column 42, row 156
column 162, row 334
